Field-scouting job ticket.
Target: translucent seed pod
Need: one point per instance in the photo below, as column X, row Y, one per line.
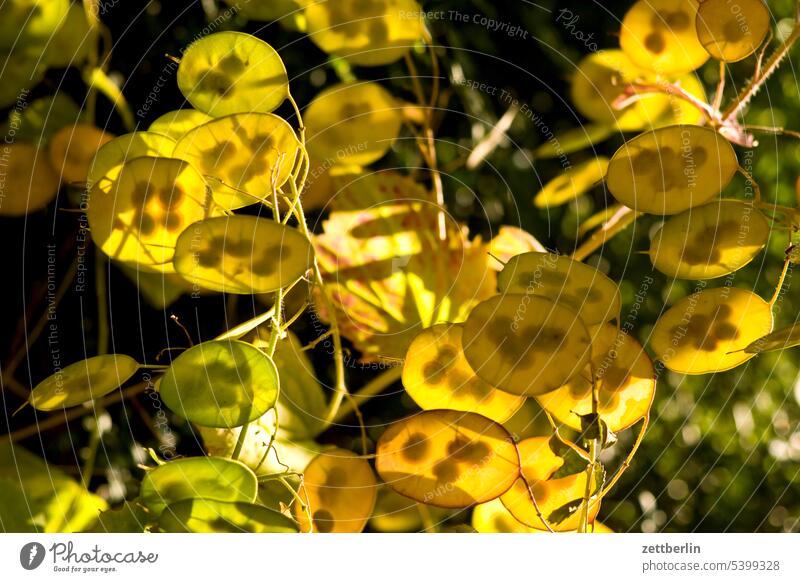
column 525, row 344
column 192, row 477
column 625, row 380
column 110, row 157
column 244, row 156
column 709, row 241
column 73, row 148
column 367, row 32
column 601, row 78
column 578, row 286
column 339, row 488
column 242, row 254
column 659, row 35
column 221, row 384
column 232, row 72
column 708, row 331
column 732, row 31
column 447, row 458
column 137, row 217
column 83, row 381
column 211, row 516
column 437, row 376
column 30, row 182
column 352, row 123
column 176, row 124
column 671, row 169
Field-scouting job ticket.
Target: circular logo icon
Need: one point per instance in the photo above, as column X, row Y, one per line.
column 31, row 555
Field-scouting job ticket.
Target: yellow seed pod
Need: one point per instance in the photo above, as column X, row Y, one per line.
column 136, row 218
column 242, row 254
column 558, row 497
column 176, row 124
column 232, row 72
column 83, row 381
column 572, row 183
column 367, row 32
column 437, row 376
column 244, row 154
column 29, row 183
column 73, row 42
column 493, row 517
column 339, row 488
column 602, row 77
column 625, row 384
column 680, row 111
column 395, row 513
column 732, row 31
column 659, row 35
column 447, row 458
column 73, row 149
column 709, row 241
column 558, row 278
column 709, row 330
column 109, row 158
column 671, row 169
column 352, row 123
column 525, row 344
column 30, row 23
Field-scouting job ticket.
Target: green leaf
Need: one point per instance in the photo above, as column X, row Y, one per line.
column 37, row 497
column 787, row 337
column 574, row 462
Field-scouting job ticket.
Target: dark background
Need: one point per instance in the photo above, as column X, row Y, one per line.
column 723, row 452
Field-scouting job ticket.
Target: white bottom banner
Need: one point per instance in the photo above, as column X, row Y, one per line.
column 417, row 557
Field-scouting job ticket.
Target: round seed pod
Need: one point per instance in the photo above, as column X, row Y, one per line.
column 214, row 478
column 625, row 380
column 221, row 384
column 340, row 490
column 572, row 183
column 558, row 278
column 110, row 157
column 732, row 31
column 30, row 24
column 558, row 497
column 232, row 72
column 680, row 111
column 671, row 169
column 242, row 254
column 525, row 344
column 659, row 35
column 447, row 458
column 368, row 33
column 30, row 181
column 437, row 376
column 176, row 124
column 709, row 330
column 72, row 43
column 210, row 516
column 83, row 381
column 73, row 148
column 245, row 154
column 137, row 217
column 601, row 78
column 493, row 517
column 352, row 123
column 709, row 241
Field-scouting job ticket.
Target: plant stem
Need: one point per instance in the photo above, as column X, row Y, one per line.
column 762, row 75
column 623, row 218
